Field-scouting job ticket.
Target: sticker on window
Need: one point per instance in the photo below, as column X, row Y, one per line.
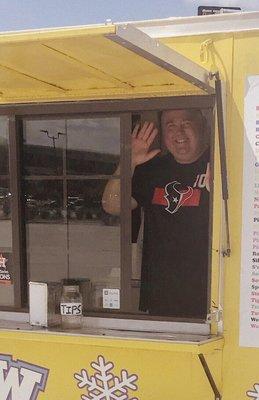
column 111, row 298
column 5, row 277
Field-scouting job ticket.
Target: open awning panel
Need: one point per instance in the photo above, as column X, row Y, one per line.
column 81, row 64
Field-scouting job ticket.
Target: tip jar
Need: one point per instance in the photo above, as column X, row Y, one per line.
column 71, row 307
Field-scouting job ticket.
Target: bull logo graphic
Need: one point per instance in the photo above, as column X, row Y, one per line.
column 176, row 195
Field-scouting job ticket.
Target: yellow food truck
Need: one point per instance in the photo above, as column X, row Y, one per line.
column 69, row 99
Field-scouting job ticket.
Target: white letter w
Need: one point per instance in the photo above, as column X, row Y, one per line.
column 17, row 383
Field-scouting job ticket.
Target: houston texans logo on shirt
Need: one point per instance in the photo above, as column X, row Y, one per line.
column 176, row 195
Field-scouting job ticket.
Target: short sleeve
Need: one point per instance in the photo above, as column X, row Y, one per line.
column 139, row 186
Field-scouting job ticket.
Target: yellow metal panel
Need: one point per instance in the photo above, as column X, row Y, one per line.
column 161, row 372
column 205, row 347
column 79, row 64
column 241, row 369
column 30, row 96
column 11, row 80
column 213, row 52
column 117, row 61
column 27, row 36
column 40, row 62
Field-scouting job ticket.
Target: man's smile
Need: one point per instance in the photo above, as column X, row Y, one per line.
column 180, row 141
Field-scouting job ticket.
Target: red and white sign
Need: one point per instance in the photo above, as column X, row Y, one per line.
column 5, row 277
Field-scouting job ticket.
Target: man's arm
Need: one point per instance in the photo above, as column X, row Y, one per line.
column 111, row 200
column 142, row 138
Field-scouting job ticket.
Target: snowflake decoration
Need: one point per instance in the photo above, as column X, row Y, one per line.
column 255, row 393
column 103, row 385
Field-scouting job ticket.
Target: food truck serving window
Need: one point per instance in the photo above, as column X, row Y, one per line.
column 137, row 245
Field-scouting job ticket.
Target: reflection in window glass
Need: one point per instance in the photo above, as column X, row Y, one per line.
column 43, row 201
column 46, row 232
column 93, row 146
column 44, row 141
column 5, row 200
column 46, row 248
column 94, row 239
column 6, row 260
column 4, row 144
column 84, row 202
column 5, row 217
column 68, row 234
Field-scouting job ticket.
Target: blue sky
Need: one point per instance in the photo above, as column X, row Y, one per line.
column 31, row 14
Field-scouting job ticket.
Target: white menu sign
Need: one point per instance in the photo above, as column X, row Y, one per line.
column 249, row 287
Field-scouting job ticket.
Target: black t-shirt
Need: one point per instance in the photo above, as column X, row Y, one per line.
column 175, row 200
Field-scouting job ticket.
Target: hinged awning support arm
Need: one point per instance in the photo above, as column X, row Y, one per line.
column 155, row 51
column 223, row 158
column 209, row 377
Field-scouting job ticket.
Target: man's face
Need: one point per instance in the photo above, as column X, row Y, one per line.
column 183, row 135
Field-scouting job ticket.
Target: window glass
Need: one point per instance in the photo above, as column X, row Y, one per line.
column 46, row 234
column 93, row 146
column 6, row 259
column 4, row 146
column 68, row 234
column 6, row 262
column 43, row 200
column 93, row 239
column 5, row 200
column 43, row 144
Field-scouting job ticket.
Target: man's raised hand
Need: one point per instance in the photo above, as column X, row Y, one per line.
column 142, row 138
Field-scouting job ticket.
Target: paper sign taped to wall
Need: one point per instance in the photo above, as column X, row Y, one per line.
column 249, row 286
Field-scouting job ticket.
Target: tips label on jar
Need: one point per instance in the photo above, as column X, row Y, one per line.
column 71, row 308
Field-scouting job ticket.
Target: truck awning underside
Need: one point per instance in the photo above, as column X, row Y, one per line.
column 79, row 64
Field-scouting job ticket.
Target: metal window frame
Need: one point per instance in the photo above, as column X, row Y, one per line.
column 89, row 109
column 107, row 106
column 223, row 158
column 20, row 277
